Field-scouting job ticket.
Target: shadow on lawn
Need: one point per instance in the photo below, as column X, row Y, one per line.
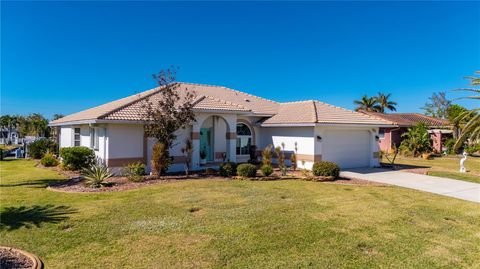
column 40, row 183
column 12, row 218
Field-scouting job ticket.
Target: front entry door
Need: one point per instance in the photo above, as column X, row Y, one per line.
column 205, row 142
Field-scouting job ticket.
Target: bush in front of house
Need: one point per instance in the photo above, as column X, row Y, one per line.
column 326, row 169
column 228, row 169
column 49, row 160
column 76, row 158
column 134, row 171
column 266, row 170
column 247, row 170
column 39, row 147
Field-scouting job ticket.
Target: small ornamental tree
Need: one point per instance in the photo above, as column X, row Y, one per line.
column 164, row 113
column 293, row 158
column 267, row 155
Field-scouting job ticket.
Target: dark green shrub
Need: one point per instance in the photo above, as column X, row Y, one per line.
column 134, row 171
column 39, row 147
column 228, row 169
column 76, row 158
column 326, row 169
column 266, row 170
column 49, row 160
column 246, row 170
column 472, row 149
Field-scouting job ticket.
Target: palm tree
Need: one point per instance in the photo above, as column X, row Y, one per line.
column 367, row 104
column 384, row 102
column 471, row 129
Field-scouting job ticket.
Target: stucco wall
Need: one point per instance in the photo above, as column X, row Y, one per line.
column 66, row 137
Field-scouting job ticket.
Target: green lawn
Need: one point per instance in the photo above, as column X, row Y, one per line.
column 447, row 166
column 222, row 223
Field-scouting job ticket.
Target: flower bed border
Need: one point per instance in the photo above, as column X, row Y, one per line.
column 36, row 261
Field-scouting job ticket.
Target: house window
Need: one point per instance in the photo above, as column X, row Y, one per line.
column 244, row 139
column 94, row 138
column 76, row 137
column 381, row 133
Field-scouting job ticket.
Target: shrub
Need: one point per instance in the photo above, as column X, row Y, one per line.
column 449, row 144
column 49, row 160
column 160, row 159
column 416, row 140
column 228, row 169
column 77, row 158
column 471, row 149
column 293, row 160
column 134, row 171
column 39, row 147
column 326, row 169
column 95, row 175
column 266, row 170
column 247, row 170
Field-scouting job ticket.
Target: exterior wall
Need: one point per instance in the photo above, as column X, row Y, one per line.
column 303, row 136
column 125, row 145
column 67, row 139
column 385, row 143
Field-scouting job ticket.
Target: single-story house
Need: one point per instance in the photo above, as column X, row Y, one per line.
column 439, row 129
column 228, row 122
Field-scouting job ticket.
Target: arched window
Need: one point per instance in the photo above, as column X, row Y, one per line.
column 244, row 139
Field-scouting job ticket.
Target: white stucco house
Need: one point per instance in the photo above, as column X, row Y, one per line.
column 227, row 123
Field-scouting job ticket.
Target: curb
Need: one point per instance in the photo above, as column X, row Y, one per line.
column 37, row 263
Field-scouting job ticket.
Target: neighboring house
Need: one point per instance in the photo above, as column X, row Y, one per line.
column 439, row 129
column 227, row 123
column 8, row 136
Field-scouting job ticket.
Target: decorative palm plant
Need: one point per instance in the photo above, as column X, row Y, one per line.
column 96, row 174
column 471, row 129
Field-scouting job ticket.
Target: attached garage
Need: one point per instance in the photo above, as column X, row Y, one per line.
column 349, row 148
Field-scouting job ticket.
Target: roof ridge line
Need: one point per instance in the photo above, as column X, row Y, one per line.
column 154, row 91
column 355, row 112
column 225, row 101
column 234, row 90
column 315, row 110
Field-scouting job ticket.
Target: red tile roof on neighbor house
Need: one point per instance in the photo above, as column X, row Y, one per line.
column 409, row 119
column 217, row 98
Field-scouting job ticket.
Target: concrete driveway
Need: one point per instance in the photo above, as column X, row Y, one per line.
column 444, row 186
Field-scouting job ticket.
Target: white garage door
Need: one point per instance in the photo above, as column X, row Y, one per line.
column 347, row 148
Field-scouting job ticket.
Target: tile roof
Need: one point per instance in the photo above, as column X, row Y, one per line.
column 313, row 111
column 409, row 119
column 219, row 98
column 208, row 98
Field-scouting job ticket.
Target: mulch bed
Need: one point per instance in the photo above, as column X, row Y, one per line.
column 10, row 258
column 119, row 183
column 77, row 184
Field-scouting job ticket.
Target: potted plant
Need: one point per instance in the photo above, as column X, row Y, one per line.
column 203, row 156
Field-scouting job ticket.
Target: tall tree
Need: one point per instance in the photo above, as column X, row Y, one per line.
column 437, row 105
column 384, row 102
column 471, row 129
column 453, row 115
column 367, row 104
column 163, row 116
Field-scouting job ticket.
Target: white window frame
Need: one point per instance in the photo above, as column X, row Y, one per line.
column 75, row 139
column 94, row 138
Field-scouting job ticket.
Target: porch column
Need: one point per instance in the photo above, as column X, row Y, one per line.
column 195, row 136
column 437, row 141
column 231, row 136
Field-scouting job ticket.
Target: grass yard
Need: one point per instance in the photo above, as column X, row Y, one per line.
column 223, row 223
column 446, row 167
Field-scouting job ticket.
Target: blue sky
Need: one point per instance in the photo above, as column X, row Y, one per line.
column 63, row 57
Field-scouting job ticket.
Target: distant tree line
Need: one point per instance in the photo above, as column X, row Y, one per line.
column 34, row 124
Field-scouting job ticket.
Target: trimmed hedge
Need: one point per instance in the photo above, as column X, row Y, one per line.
column 266, row 170
column 326, row 169
column 77, row 158
column 39, row 147
column 228, row 169
column 246, row 170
